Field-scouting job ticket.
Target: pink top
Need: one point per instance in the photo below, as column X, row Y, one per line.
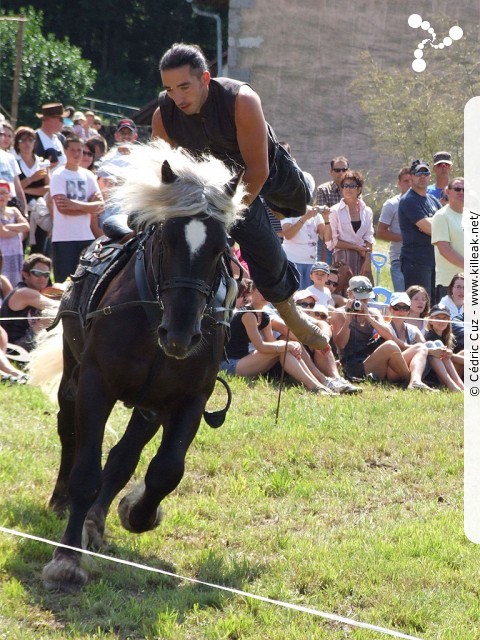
column 342, row 226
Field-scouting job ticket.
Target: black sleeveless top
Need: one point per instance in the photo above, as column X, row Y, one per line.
column 237, row 346
column 16, row 329
column 213, row 130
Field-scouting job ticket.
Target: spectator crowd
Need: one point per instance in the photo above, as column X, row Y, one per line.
column 54, row 184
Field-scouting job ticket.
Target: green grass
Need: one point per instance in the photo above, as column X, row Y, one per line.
column 350, row 505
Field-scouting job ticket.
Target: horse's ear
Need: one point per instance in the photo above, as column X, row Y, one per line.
column 167, row 174
column 233, row 183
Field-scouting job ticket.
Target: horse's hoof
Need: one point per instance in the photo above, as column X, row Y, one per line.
column 125, row 506
column 64, row 574
column 94, row 534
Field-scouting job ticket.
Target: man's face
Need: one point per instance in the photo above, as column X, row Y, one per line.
column 37, row 277
column 125, row 135
column 405, row 183
column 456, row 195
column 187, row 89
column 338, row 171
column 6, row 138
column 55, row 123
column 420, row 180
column 442, row 170
column 74, row 153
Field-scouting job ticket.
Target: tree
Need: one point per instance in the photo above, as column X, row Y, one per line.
column 413, row 115
column 52, row 70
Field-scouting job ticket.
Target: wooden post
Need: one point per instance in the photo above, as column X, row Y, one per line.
column 16, row 76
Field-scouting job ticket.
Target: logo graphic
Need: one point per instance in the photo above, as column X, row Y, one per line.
column 415, row 21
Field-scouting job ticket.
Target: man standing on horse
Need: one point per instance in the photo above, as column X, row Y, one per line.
column 224, row 117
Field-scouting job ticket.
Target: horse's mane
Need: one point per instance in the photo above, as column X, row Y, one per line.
column 200, row 186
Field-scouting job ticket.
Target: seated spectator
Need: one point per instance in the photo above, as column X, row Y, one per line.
column 250, row 326
column 409, row 339
column 363, row 340
column 351, row 227
column 22, row 307
column 439, row 332
column 5, row 284
column 419, row 306
column 8, row 373
column 455, row 298
column 13, row 226
column 332, row 284
column 319, row 274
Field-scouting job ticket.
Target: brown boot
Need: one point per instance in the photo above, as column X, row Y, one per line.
column 300, row 324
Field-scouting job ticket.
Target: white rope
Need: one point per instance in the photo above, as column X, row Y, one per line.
column 238, row 592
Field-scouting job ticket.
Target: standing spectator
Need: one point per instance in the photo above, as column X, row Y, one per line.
column 447, row 237
column 76, row 200
column 49, row 143
column 442, row 166
column 352, row 227
column 68, row 116
column 80, row 125
column 90, row 128
column 6, row 141
column 88, row 157
column 328, row 194
column 12, row 228
column 415, row 211
column 10, row 172
column 35, row 181
column 117, row 160
column 300, row 237
column 388, row 228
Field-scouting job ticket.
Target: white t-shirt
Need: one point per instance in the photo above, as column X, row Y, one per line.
column 53, row 143
column 76, row 185
column 302, row 248
column 322, row 296
column 9, row 170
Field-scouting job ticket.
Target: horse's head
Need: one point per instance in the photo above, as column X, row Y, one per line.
column 191, row 250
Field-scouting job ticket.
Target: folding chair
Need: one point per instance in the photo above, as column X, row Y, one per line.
column 379, row 260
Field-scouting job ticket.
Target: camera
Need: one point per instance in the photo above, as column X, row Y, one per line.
column 356, row 306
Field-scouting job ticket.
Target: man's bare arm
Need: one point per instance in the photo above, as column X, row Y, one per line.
column 158, row 130
column 252, row 140
column 448, row 252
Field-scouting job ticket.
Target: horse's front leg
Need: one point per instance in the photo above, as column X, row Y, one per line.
column 139, row 510
column 119, row 468
column 93, row 406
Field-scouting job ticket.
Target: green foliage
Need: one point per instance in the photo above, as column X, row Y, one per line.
column 52, row 70
column 413, row 115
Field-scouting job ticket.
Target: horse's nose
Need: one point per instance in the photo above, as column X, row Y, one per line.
column 177, row 346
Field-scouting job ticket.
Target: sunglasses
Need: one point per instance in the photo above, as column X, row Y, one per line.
column 87, row 153
column 39, row 273
column 332, row 283
column 442, row 164
column 422, row 173
column 339, row 170
column 401, row 307
column 458, row 189
column 350, row 185
column 306, row 305
column 362, row 289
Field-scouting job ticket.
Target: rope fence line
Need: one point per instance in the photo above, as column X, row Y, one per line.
column 286, row 605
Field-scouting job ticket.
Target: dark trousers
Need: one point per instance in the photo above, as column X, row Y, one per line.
column 65, row 257
column 275, row 277
column 419, row 274
column 440, row 291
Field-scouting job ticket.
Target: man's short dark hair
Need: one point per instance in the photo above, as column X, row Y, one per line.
column 33, row 258
column 181, row 54
column 338, row 159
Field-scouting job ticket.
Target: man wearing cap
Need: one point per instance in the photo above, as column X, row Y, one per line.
column 415, row 212
column 448, row 236
column 49, row 143
column 224, row 117
column 328, row 194
column 117, row 159
column 442, row 167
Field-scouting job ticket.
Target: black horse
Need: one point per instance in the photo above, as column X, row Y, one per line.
column 154, row 342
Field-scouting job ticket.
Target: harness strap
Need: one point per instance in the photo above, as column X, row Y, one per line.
column 107, row 311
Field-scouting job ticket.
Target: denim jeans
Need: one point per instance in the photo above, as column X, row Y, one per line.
column 65, row 257
column 398, row 281
column 420, row 274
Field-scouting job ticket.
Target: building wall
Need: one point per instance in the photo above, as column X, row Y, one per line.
column 302, row 57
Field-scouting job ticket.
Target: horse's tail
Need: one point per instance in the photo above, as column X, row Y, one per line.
column 46, row 362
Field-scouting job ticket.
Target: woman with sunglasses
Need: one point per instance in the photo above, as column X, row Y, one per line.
column 21, row 310
column 351, row 227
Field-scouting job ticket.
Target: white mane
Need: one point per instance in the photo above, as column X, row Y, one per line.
column 200, row 186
